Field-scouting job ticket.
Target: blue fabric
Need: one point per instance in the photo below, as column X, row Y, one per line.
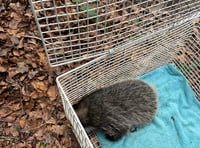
column 177, row 123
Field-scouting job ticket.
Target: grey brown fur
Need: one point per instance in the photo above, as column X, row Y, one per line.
column 118, row 108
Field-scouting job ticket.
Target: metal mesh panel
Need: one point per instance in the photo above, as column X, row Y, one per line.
column 172, row 45
column 72, row 30
column 188, row 59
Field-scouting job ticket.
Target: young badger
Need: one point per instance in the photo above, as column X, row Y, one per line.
column 118, row 108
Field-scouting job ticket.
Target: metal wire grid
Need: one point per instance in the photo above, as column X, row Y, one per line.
column 81, row 29
column 188, row 59
column 125, row 63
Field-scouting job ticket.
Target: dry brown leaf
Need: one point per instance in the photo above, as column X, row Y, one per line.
column 3, row 36
column 15, row 21
column 3, row 89
column 3, row 69
column 34, row 65
column 40, row 134
column 35, row 124
column 41, row 78
column 12, row 32
column 14, row 107
column 58, row 143
column 7, row 131
column 23, row 145
column 45, row 114
column 15, row 40
column 29, row 105
column 34, row 95
column 51, row 121
column 14, row 131
column 10, row 118
column 40, row 85
column 4, row 112
column 1, row 29
column 22, row 78
column 43, row 102
column 22, row 67
column 16, row 53
column 21, row 43
column 32, row 74
column 52, row 93
column 35, row 114
column 56, row 129
column 37, row 145
column 43, row 59
column 12, row 72
column 22, row 122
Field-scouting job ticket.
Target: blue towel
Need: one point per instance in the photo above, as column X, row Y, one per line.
column 177, row 123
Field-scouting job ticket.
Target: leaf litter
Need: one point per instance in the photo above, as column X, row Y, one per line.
column 31, row 111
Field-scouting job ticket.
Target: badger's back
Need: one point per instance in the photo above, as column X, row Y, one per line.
column 134, row 100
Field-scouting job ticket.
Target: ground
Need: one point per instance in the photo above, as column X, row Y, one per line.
column 31, row 112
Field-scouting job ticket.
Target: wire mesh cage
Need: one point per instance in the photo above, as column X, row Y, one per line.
column 179, row 45
column 73, row 30
column 127, row 38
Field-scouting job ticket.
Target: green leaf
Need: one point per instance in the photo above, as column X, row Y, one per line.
column 137, row 22
column 42, row 145
column 76, row 1
column 90, row 13
column 85, row 7
column 108, row 25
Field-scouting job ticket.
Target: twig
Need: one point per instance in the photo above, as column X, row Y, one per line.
column 33, row 37
column 2, row 120
column 7, row 137
column 38, row 127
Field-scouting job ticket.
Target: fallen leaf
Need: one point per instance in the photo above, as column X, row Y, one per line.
column 14, row 131
column 32, row 74
column 3, row 69
column 2, row 89
column 3, row 52
column 22, row 67
column 21, row 43
column 35, row 123
column 14, row 40
column 34, row 95
column 10, row 118
column 40, row 134
column 14, row 107
column 23, row 145
column 51, row 121
column 35, row 114
column 1, row 29
column 43, row 102
column 22, row 122
column 43, row 59
column 12, row 72
column 52, row 93
column 37, row 145
column 3, row 36
column 41, row 78
column 15, row 21
column 22, row 78
column 7, row 131
column 40, row 85
column 29, row 105
column 56, row 129
column 16, row 53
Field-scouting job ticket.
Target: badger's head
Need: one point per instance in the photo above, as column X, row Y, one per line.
column 81, row 109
